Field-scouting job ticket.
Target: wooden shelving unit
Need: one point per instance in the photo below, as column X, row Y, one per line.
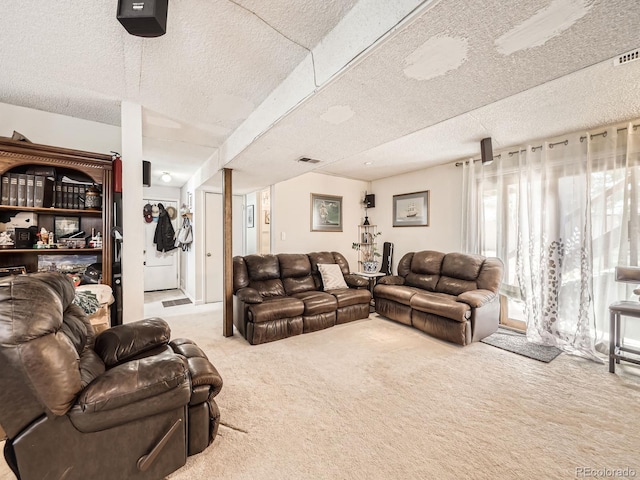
column 96, row 168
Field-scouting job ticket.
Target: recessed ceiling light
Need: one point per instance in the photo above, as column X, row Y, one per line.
column 166, row 177
column 368, row 163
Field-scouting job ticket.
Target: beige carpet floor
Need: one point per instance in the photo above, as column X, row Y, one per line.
column 374, row 399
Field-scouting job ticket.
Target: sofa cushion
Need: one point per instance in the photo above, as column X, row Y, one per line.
column 294, row 265
column 397, row 293
column 454, row 286
column 269, row 288
column 317, row 302
column 441, row 304
column 294, row 285
column 262, row 267
column 427, row 262
column 275, row 308
column 351, row 296
column 423, row 281
column 462, row 266
column 331, row 274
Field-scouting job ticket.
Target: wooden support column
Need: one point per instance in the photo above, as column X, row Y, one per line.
column 227, row 215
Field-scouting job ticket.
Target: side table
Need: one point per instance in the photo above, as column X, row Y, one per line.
column 373, row 279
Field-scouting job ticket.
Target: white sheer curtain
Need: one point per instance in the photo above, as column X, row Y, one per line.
column 561, row 214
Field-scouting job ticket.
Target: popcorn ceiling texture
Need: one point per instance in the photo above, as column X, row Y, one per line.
column 220, row 61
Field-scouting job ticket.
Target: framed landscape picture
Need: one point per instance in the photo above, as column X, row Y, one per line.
column 411, row 209
column 326, row 213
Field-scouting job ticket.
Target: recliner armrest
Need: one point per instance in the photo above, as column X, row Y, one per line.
column 134, row 382
column 391, row 280
column 476, row 298
column 116, row 345
column 355, row 281
column 249, row 295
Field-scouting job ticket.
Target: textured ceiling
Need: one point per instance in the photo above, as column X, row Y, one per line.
column 425, row 93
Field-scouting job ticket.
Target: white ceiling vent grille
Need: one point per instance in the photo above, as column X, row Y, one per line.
column 308, row 160
column 627, row 57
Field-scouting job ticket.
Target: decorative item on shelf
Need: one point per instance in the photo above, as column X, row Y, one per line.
column 6, row 241
column 92, row 198
column 369, row 251
column 369, row 201
column 45, row 239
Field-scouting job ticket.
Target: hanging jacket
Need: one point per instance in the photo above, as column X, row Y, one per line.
column 163, row 237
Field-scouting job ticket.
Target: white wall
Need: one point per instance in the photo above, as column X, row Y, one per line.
column 291, row 210
column 59, row 130
column 445, row 210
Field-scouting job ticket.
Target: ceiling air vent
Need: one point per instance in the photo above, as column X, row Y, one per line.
column 627, row 57
column 308, row 160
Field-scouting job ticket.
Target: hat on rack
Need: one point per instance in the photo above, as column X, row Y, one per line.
column 171, row 211
column 155, row 211
column 147, row 213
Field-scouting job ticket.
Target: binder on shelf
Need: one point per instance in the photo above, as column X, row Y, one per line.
column 43, row 192
column 22, row 190
column 5, row 190
column 58, row 199
column 30, row 190
column 65, row 195
column 76, row 199
column 13, row 189
column 81, row 194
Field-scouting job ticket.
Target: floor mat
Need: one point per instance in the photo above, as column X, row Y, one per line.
column 517, row 343
column 173, row 303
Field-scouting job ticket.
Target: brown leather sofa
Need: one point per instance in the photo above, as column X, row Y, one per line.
column 278, row 296
column 451, row 296
column 127, row 404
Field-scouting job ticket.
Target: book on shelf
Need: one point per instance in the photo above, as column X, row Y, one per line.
column 75, row 196
column 30, row 190
column 13, row 189
column 22, row 190
column 81, row 196
column 5, row 190
column 65, row 195
column 43, row 192
column 58, row 199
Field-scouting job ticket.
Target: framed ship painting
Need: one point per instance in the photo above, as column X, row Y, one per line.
column 411, row 209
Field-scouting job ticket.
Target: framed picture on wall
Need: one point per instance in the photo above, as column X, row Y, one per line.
column 251, row 218
column 326, row 213
column 411, row 209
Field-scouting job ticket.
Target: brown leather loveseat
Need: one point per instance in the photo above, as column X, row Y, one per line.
column 451, row 296
column 278, row 296
column 128, row 403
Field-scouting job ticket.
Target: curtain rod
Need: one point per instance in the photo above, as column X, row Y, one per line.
column 551, row 145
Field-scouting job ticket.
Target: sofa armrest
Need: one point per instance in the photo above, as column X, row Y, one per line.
column 117, row 344
column 476, row 298
column 391, row 280
column 356, row 281
column 249, row 295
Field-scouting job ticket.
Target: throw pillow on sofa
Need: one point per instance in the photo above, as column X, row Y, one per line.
column 332, row 278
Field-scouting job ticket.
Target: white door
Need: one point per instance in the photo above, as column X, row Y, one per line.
column 160, row 268
column 214, row 249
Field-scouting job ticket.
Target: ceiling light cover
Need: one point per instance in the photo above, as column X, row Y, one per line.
column 166, row 177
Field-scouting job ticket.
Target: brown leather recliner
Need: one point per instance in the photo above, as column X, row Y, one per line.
column 127, row 404
column 278, row 296
column 451, row 296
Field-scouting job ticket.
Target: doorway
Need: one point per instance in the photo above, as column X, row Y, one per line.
column 161, row 269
